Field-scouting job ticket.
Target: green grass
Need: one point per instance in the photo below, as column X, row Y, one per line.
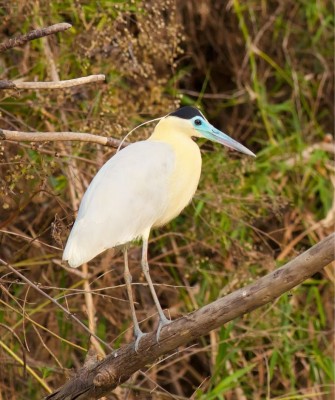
column 249, row 216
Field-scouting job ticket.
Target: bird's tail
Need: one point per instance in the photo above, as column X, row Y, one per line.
column 78, row 252
column 73, row 256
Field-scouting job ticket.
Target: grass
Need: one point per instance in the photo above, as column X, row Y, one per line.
column 262, row 73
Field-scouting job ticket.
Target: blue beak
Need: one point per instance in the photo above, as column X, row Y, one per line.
column 213, row 134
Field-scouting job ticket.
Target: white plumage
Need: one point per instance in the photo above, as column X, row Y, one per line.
column 119, row 204
column 143, row 186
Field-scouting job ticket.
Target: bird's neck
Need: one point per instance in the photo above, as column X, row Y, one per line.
column 167, row 131
column 184, row 178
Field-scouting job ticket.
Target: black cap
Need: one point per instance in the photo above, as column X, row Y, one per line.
column 186, row 112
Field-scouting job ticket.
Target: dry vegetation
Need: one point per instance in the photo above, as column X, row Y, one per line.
column 262, row 72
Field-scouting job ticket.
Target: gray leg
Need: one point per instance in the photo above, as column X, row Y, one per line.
column 128, row 279
column 145, row 267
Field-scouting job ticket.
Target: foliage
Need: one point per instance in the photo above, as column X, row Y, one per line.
column 261, row 71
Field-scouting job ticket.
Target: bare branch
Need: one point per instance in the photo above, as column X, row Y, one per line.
column 97, row 379
column 35, row 34
column 17, row 136
column 51, row 84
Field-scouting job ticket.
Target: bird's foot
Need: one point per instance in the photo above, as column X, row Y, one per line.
column 138, row 336
column 162, row 322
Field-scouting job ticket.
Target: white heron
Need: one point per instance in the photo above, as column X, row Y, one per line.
column 143, row 186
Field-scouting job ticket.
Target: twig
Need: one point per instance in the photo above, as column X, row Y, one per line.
column 91, row 312
column 24, row 358
column 51, row 84
column 215, row 96
column 35, row 34
column 31, row 284
column 18, row 136
column 94, row 381
column 306, row 154
column 7, row 85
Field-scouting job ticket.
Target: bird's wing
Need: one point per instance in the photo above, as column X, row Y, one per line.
column 125, row 198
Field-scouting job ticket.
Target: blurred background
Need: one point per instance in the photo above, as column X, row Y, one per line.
column 261, row 71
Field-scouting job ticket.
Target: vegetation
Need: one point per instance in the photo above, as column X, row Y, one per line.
column 262, row 72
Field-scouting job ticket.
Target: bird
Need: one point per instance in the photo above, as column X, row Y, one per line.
column 143, row 186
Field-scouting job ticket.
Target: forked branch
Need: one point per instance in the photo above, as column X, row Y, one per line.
column 95, row 381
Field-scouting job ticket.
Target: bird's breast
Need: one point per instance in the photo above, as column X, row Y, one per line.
column 184, row 178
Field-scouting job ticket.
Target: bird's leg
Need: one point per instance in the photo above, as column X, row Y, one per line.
column 145, row 267
column 128, row 279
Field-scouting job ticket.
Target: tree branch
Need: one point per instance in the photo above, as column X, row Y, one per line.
column 17, row 136
column 96, row 379
column 6, row 84
column 35, row 34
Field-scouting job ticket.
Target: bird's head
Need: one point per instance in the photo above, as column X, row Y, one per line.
column 191, row 121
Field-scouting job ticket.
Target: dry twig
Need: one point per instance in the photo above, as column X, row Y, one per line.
column 51, row 84
column 67, row 312
column 94, row 380
column 18, row 136
column 35, row 34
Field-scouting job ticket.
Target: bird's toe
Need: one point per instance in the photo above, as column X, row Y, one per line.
column 162, row 322
column 138, row 336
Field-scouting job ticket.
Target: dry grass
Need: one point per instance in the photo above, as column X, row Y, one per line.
column 262, row 71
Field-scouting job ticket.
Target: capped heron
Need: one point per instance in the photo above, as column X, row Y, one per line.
column 143, row 186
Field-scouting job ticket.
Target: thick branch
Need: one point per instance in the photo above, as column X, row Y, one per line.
column 35, row 34
column 17, row 136
column 51, row 84
column 94, row 381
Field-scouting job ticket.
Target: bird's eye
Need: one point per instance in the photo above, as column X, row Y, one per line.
column 198, row 122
